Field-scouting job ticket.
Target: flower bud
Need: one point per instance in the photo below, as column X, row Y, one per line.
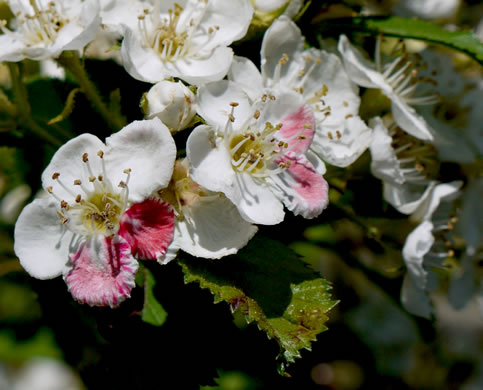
column 171, row 102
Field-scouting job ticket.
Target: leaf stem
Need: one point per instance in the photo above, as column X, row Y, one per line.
column 70, row 61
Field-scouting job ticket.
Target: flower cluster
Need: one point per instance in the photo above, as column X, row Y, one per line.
column 259, row 141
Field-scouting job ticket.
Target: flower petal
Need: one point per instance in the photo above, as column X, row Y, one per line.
column 210, row 164
column 417, row 245
column 282, row 37
column 414, row 299
column 214, row 104
column 42, row 244
column 384, row 164
column 360, row 70
column 255, row 201
column 68, row 162
column 148, row 149
column 409, row 120
column 301, row 188
column 341, row 146
column 148, row 227
column 213, row 228
column 141, row 63
column 296, row 125
column 102, row 272
column 244, row 73
column 232, row 19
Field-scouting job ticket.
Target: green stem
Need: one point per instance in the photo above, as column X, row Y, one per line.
column 71, row 62
column 6, row 105
column 24, row 112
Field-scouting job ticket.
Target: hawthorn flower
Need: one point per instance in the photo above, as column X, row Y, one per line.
column 398, row 80
column 171, row 102
column 207, row 224
column 407, row 166
column 257, row 153
column 188, row 41
column 44, row 29
column 428, row 246
column 319, row 77
column 427, row 9
column 99, row 214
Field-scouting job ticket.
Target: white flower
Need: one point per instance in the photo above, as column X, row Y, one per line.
column 406, row 165
column 397, row 80
column 318, row 76
column 207, row 224
column 457, row 117
column 426, row 247
column 189, row 42
column 257, row 154
column 99, row 214
column 171, row 102
column 45, row 28
column 427, row 9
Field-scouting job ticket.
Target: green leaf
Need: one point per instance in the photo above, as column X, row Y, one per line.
column 394, row 26
column 270, row 285
column 153, row 313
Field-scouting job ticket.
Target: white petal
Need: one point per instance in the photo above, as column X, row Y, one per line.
column 360, row 70
column 198, row 70
column 414, row 299
column 213, row 228
column 141, row 63
column 409, row 120
column 441, row 192
column 384, row 164
column 68, row 162
column 42, row 244
column 255, row 200
column 407, row 198
column 232, row 19
column 282, row 37
column 148, row 149
column 11, row 47
column 86, row 27
column 342, row 151
column 214, row 104
column 417, row 245
column 210, row 164
column 244, row 73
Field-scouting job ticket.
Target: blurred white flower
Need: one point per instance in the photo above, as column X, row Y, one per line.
column 172, row 102
column 43, row 29
column 407, row 166
column 45, row 374
column 397, row 79
column 12, row 203
column 427, row 9
column 427, row 247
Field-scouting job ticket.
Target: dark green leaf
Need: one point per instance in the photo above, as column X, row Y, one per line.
column 270, row 285
column 153, row 313
column 394, row 26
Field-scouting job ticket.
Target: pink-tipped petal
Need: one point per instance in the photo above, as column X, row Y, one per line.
column 148, row 227
column 301, row 188
column 298, row 128
column 102, row 272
